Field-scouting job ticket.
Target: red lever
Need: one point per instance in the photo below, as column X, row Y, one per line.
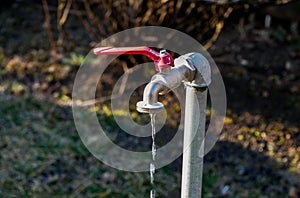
column 161, row 60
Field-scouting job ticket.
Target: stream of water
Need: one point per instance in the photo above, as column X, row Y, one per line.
column 152, row 164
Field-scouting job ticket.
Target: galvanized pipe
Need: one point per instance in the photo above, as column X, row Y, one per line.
column 193, row 153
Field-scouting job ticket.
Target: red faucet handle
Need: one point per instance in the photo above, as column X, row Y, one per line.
column 166, row 60
column 161, row 60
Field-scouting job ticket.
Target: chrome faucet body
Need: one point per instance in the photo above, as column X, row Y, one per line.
column 192, row 69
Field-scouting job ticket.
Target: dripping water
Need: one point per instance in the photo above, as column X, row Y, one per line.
column 153, row 151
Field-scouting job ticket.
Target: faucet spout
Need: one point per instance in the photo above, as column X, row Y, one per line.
column 152, row 91
column 150, row 102
column 161, row 83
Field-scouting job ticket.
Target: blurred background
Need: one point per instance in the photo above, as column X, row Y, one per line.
column 255, row 44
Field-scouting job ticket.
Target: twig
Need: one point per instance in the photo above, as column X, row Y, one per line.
column 47, row 26
column 94, row 20
column 62, row 15
column 95, row 101
column 86, row 25
column 218, row 29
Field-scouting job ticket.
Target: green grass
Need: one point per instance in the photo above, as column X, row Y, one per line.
column 41, row 152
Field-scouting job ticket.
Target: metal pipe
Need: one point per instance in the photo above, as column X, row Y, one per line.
column 194, row 125
column 194, row 130
column 151, row 92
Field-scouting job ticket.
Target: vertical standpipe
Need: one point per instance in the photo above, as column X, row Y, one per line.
column 194, row 132
column 194, row 124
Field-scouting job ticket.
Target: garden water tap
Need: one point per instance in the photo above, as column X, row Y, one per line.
column 192, row 68
column 162, row 60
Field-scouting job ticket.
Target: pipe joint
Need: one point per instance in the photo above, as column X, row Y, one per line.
column 200, row 65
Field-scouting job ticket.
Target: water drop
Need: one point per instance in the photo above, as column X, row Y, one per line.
column 152, row 171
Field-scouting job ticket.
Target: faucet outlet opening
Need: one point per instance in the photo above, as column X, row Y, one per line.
column 144, row 107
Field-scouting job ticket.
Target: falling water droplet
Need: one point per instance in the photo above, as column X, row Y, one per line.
column 152, row 171
column 152, row 193
column 153, row 151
